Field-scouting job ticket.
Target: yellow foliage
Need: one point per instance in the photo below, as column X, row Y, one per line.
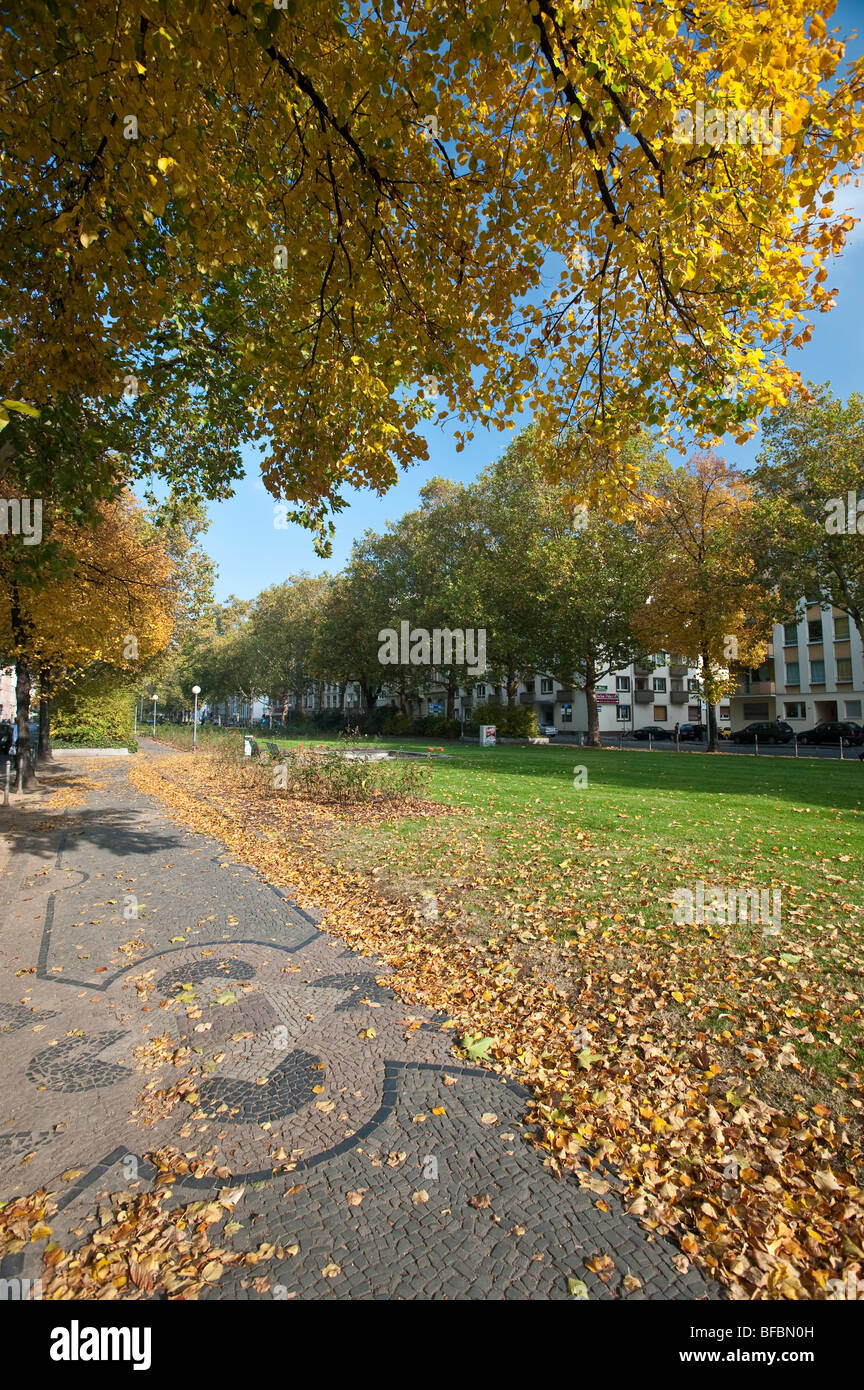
column 384, row 189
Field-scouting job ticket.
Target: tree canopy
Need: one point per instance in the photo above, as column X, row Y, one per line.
column 308, row 212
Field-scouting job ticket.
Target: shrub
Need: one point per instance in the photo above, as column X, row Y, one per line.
column 436, row 726
column 97, row 712
column 397, row 724
column 511, row 721
column 327, row 775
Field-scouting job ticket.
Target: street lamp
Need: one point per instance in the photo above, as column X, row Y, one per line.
column 196, row 691
column 155, row 698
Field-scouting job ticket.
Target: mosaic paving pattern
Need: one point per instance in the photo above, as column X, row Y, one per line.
column 220, row 978
column 360, row 988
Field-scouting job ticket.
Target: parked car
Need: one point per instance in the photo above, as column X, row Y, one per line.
column 547, row 730
column 767, row 731
column 654, row 730
column 832, row 730
column 694, row 733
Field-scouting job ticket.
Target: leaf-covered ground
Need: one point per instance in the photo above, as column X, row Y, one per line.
column 715, row 1069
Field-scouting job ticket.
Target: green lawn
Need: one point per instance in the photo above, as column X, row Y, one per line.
column 527, row 851
column 518, row 853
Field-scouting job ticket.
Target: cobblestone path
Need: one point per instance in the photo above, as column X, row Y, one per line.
column 326, row 1075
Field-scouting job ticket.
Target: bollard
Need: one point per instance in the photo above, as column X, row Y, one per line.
column 841, row 748
column 796, row 745
column 677, row 742
column 6, row 784
column 755, row 745
column 650, row 743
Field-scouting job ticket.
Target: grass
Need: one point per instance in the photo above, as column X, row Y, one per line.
column 527, row 845
column 538, row 916
column 609, row 854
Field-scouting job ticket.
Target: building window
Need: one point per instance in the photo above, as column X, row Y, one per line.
column 724, row 711
column 752, row 710
column 817, row 672
column 659, row 714
column 694, row 714
column 480, row 691
column 566, row 714
column 660, row 684
column 793, row 673
column 795, row 709
column 622, row 682
column 693, row 685
column 659, row 658
column 545, row 686
column 623, row 713
column 853, row 709
column 841, row 627
column 790, row 634
column 814, row 630
column 844, row 668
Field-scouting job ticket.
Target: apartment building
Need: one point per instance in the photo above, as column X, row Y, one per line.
column 661, row 690
column 814, row 670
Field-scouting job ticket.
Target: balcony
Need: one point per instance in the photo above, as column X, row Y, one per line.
column 565, row 697
column 642, row 669
column 679, row 696
column 647, row 697
column 527, row 698
column 678, row 668
column 747, row 688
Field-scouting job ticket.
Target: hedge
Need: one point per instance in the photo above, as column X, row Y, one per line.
column 96, row 713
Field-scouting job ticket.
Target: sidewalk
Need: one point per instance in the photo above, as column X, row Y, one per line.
column 400, row 1171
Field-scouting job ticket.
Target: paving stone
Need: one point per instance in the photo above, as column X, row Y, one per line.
column 210, row 961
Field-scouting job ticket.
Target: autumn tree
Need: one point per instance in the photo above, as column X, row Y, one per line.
column 810, row 487
column 361, row 601
column 282, row 633
column 111, row 602
column 317, row 209
column 708, row 602
column 599, row 577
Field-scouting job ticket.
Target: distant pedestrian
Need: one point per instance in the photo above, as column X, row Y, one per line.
column 676, row 730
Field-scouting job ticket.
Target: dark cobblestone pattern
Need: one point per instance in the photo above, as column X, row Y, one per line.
column 15, row 1016
column 280, row 1016
column 227, row 968
column 74, row 1065
column 287, row 1088
column 360, row 989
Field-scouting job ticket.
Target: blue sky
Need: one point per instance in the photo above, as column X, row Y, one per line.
column 250, row 552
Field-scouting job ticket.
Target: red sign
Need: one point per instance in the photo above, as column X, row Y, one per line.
column 606, row 699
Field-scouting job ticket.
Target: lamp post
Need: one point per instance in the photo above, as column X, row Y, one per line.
column 196, row 691
column 155, row 698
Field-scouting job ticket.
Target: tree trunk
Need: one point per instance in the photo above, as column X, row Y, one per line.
column 512, row 686
column 44, row 752
column 26, row 772
column 711, row 709
column 370, row 696
column 451, row 700
column 591, row 704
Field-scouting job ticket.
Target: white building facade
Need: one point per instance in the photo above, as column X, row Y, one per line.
column 814, row 671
